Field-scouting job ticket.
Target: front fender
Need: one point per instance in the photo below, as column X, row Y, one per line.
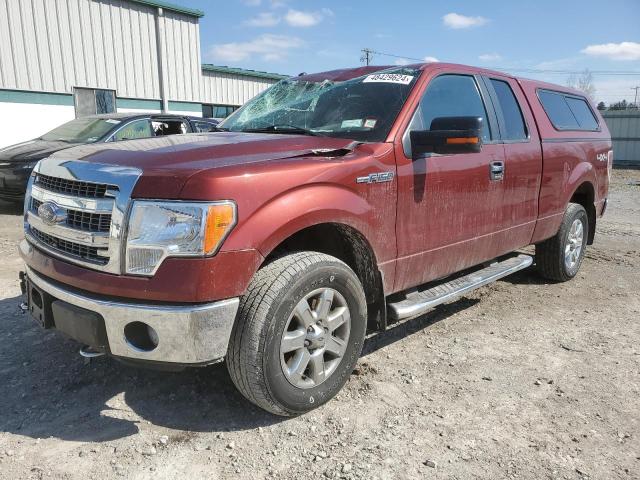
column 299, row 208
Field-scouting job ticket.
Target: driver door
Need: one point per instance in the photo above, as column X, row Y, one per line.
column 449, row 214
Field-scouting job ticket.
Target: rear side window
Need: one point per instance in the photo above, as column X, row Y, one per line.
column 567, row 112
column 514, row 127
column 583, row 113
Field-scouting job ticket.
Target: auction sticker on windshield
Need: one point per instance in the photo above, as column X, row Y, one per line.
column 389, row 78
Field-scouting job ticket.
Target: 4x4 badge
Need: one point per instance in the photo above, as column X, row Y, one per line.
column 376, row 177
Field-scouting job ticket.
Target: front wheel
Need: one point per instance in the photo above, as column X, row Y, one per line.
column 559, row 258
column 299, row 333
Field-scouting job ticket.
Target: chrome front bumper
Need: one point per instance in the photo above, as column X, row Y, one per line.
column 187, row 334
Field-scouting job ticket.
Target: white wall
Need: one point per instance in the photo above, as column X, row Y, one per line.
column 188, row 114
column 230, row 89
column 54, row 45
column 137, row 110
column 24, row 121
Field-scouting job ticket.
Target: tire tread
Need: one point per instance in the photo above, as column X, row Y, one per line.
column 244, row 356
column 549, row 254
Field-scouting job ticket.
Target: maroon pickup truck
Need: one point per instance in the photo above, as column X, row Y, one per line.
column 329, row 205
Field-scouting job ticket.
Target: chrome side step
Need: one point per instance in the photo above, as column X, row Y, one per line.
column 416, row 303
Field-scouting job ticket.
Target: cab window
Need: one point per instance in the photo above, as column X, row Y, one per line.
column 136, row 129
column 163, row 127
column 512, row 126
column 203, row 126
column 448, row 95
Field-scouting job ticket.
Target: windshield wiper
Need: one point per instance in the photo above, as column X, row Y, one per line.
column 283, row 129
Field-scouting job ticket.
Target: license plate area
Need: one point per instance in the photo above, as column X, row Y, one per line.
column 39, row 305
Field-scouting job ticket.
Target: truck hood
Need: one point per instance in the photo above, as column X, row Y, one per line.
column 31, row 151
column 168, row 162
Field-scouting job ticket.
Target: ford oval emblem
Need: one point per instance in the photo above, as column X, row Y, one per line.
column 51, row 214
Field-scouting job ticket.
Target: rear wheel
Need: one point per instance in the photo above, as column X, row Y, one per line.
column 559, row 258
column 299, row 333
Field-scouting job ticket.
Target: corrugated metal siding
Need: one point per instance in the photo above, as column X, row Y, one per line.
column 230, row 89
column 53, row 45
column 624, row 126
column 182, row 50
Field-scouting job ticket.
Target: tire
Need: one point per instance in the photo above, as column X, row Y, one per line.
column 259, row 359
column 559, row 258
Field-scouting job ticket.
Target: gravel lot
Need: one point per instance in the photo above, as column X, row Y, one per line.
column 521, row 379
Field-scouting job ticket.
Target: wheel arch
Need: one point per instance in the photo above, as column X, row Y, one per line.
column 584, row 194
column 350, row 245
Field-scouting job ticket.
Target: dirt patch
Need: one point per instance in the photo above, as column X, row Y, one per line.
column 521, row 379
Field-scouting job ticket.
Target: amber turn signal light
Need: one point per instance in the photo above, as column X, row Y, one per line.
column 462, row 140
column 220, row 220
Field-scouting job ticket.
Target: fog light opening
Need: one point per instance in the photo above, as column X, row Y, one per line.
column 141, row 337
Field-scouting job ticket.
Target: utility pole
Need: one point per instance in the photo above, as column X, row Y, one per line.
column 635, row 99
column 367, row 56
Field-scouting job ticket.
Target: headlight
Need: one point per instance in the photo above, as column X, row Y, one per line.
column 168, row 229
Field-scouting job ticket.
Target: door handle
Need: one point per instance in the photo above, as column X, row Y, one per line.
column 496, row 171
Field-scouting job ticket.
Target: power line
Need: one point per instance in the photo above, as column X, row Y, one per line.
column 367, row 55
column 370, row 53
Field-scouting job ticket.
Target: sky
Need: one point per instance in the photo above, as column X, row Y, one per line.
column 540, row 39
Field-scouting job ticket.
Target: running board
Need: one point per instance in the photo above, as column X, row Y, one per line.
column 417, row 303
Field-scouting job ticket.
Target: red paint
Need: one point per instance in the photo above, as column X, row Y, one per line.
column 439, row 215
column 178, row 280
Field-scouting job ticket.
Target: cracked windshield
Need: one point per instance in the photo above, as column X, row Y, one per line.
column 363, row 108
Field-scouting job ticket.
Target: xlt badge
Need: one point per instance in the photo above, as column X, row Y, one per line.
column 376, row 177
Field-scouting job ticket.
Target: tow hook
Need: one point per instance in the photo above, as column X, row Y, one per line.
column 90, row 352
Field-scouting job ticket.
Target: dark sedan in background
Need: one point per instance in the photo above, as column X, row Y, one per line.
column 17, row 161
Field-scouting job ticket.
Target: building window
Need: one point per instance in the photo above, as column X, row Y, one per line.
column 90, row 101
column 217, row 111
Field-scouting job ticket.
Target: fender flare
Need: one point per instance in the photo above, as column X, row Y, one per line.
column 300, row 208
column 581, row 174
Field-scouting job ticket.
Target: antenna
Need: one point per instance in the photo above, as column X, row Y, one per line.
column 635, row 99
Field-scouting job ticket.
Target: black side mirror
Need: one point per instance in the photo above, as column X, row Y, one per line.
column 448, row 135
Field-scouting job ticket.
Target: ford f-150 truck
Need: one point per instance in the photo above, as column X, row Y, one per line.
column 329, row 205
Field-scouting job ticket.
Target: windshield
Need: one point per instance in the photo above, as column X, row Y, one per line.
column 82, row 130
column 362, row 108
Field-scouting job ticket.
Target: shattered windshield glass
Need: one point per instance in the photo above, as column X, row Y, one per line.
column 363, row 108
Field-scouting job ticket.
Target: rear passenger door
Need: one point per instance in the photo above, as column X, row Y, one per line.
column 523, row 160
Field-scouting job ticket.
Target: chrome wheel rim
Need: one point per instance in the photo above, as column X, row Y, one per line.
column 573, row 247
column 315, row 338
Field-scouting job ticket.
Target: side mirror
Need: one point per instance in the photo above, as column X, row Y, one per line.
column 448, row 135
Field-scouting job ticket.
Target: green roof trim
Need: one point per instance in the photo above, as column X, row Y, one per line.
column 207, row 67
column 138, row 104
column 185, row 106
column 170, row 6
column 40, row 98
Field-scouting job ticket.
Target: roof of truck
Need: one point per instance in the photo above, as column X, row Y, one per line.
column 349, row 73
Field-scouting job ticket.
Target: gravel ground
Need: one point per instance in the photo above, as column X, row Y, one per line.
column 521, row 379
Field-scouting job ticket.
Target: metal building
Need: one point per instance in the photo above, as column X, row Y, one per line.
column 65, row 58
column 624, row 126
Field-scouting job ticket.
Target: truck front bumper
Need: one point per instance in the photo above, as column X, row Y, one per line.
column 178, row 334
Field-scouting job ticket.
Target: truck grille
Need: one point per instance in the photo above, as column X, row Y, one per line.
column 85, row 214
column 66, row 247
column 85, row 221
column 75, row 188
